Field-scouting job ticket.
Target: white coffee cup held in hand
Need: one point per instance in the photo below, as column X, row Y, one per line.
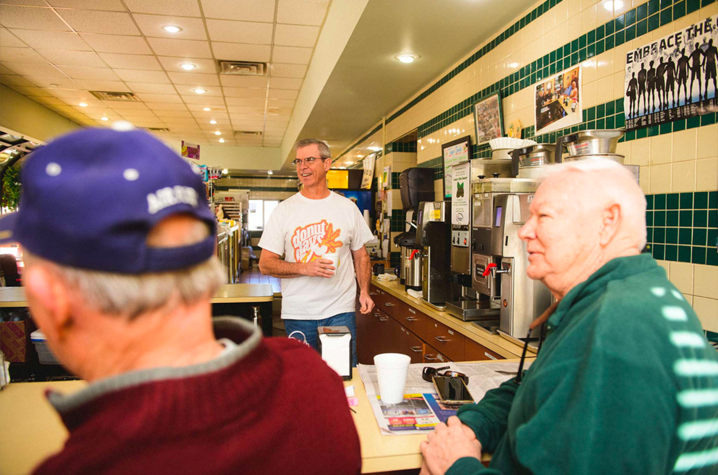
column 391, row 370
column 334, row 257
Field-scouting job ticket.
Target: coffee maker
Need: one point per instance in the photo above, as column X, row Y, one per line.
column 416, row 185
column 433, row 232
column 500, row 259
column 592, row 145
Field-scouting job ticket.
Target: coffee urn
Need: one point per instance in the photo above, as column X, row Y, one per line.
column 592, row 145
column 434, row 233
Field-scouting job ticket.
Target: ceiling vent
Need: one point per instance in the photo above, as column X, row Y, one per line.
column 115, row 96
column 242, row 68
column 247, row 133
column 161, row 130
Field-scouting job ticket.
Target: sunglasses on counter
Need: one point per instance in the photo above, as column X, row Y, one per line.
column 428, row 374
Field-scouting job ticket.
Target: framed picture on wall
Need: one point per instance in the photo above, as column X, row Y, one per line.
column 454, row 153
column 488, row 119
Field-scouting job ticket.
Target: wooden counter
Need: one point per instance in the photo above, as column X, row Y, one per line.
column 31, row 430
column 495, row 343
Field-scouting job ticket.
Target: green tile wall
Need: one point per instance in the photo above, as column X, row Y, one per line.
column 400, row 147
column 398, row 220
column 683, row 227
column 395, row 259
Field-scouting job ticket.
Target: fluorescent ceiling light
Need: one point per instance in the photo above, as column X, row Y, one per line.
column 206, row 109
column 187, row 66
column 217, row 132
column 348, row 163
column 212, row 121
column 82, row 104
column 270, row 172
column 104, row 118
column 199, row 90
column 221, row 140
column 172, row 29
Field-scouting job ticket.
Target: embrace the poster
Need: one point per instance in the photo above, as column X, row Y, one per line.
column 672, row 78
column 557, row 101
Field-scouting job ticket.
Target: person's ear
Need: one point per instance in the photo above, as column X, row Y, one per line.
column 611, row 220
column 48, row 300
column 327, row 164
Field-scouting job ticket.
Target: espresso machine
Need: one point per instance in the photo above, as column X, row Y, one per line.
column 433, row 233
column 470, row 305
column 416, row 185
column 500, row 259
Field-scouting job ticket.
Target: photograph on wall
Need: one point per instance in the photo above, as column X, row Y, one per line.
column 672, row 78
column 557, row 101
column 453, row 153
column 488, row 120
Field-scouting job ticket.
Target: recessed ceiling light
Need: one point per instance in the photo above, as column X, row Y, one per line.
column 221, row 140
column 212, row 121
column 188, row 66
column 406, row 58
column 225, row 171
column 348, row 163
column 82, row 104
column 172, row 28
column 206, row 109
column 217, row 132
column 104, row 118
column 199, row 90
column 270, row 172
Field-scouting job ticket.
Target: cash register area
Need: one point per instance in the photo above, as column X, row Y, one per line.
column 442, row 118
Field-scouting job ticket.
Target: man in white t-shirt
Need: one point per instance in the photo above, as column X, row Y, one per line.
column 322, row 237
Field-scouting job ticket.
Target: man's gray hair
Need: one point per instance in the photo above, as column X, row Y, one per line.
column 132, row 295
column 321, row 145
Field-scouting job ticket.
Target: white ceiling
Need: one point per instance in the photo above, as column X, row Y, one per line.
column 56, row 51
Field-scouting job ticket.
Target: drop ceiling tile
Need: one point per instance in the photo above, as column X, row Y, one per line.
column 210, row 91
column 240, row 31
column 142, row 121
column 193, row 79
column 116, row 43
column 285, row 103
column 31, row 18
column 244, row 81
column 109, row 23
column 32, row 91
column 294, row 35
column 180, row 121
column 244, row 101
column 122, row 106
column 184, row 113
column 246, row 109
column 286, row 83
column 131, row 61
column 36, row 3
column 48, row 100
column 302, row 12
column 52, row 40
column 291, row 55
column 282, row 93
column 7, row 39
column 241, row 52
column 203, row 100
column 152, row 88
column 86, row 110
column 108, row 5
column 31, row 69
column 81, row 72
column 160, row 98
column 288, row 70
column 203, row 66
column 215, row 108
column 137, row 112
column 152, row 25
column 154, row 77
column 73, row 58
column 14, row 80
column 93, row 85
column 6, row 70
column 63, row 82
column 21, row 55
column 250, row 92
column 162, row 106
column 248, row 10
column 161, row 7
column 181, row 48
column 67, row 93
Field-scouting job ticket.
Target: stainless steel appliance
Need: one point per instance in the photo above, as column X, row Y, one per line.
column 434, row 233
column 416, row 185
column 528, row 162
column 592, row 145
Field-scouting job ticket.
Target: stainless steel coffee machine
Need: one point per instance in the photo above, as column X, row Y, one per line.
column 500, row 259
column 592, row 145
column 434, row 232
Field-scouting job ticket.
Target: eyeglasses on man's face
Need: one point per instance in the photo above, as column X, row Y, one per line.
column 297, row 162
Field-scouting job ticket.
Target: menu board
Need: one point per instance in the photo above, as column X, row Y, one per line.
column 454, row 153
column 460, row 191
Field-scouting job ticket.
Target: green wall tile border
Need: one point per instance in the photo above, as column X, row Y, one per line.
column 488, row 47
column 402, row 147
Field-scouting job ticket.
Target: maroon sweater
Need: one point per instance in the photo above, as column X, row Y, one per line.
column 266, row 406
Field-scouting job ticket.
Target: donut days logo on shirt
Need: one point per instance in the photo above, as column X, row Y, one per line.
column 314, row 240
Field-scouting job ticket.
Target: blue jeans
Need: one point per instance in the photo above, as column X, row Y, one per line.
column 309, row 328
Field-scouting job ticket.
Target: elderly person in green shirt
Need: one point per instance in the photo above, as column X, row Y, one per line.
column 625, row 382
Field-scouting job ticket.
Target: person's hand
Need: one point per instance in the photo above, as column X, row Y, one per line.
column 366, row 302
column 447, row 444
column 424, row 469
column 319, row 268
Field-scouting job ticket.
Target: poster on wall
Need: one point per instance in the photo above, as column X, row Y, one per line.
column 488, row 120
column 368, row 172
column 672, row 78
column 190, row 150
column 557, row 101
column 460, row 201
column 453, row 153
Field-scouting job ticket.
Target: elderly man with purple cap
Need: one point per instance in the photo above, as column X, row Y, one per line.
column 625, row 381
column 119, row 248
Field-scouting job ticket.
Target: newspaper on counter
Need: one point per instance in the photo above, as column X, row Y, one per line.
column 421, row 408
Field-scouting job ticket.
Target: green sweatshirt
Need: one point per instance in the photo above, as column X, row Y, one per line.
column 625, row 383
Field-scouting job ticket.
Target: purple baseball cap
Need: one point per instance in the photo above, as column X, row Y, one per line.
column 90, row 198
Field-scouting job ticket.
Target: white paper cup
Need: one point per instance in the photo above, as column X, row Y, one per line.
column 391, row 369
column 334, row 257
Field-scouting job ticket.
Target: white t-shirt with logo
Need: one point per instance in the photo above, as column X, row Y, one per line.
column 304, row 230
